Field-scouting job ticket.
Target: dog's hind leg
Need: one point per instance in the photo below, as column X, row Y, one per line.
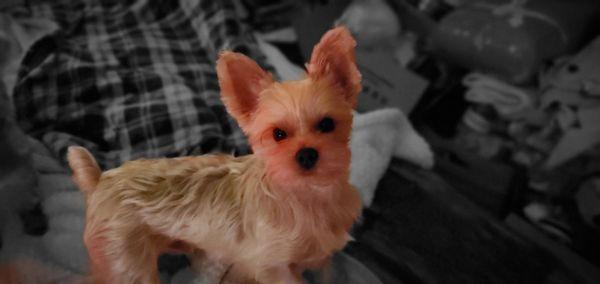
column 133, row 256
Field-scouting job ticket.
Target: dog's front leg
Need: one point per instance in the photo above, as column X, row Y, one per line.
column 132, row 256
column 208, row 269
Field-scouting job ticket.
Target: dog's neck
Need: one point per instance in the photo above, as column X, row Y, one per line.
column 337, row 202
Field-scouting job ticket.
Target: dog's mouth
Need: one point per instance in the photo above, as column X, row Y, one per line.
column 178, row 246
column 307, row 172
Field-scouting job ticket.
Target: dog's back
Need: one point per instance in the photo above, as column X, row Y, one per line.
column 152, row 203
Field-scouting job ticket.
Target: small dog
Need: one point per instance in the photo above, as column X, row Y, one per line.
column 267, row 216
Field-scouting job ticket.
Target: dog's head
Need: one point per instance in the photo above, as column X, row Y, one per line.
column 299, row 128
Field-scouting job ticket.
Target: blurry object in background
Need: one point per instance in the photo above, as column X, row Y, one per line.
column 509, row 101
column 572, row 87
column 16, row 36
column 482, row 119
column 267, row 15
column 486, row 145
column 574, row 81
column 571, row 194
column 486, row 182
column 512, row 38
column 435, row 8
column 556, row 96
column 549, row 218
column 378, row 136
column 532, row 142
column 311, row 21
column 536, row 211
column 587, row 199
column 455, row 3
column 287, row 35
column 372, row 22
column 382, row 53
column 63, row 244
column 30, row 174
column 498, row 109
column 377, row 28
column 405, row 48
column 578, row 139
column 585, row 271
column 386, row 83
column 7, row 4
column 17, row 177
column 583, row 211
column 510, row 127
column 551, row 125
column 285, row 69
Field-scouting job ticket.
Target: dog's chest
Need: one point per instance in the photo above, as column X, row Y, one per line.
column 309, row 239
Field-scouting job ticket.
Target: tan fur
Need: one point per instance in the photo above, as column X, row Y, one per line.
column 262, row 214
column 88, row 172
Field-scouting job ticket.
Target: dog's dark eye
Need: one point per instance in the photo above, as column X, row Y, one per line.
column 279, row 134
column 326, row 125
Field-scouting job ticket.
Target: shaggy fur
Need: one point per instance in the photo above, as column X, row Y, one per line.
column 262, row 215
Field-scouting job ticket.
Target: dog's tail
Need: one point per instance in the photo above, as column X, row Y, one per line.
column 86, row 171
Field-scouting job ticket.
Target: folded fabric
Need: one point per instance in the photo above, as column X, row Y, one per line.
column 131, row 79
column 509, row 101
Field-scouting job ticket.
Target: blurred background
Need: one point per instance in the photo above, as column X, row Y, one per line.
column 505, row 93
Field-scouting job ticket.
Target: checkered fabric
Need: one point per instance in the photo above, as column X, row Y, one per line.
column 132, row 79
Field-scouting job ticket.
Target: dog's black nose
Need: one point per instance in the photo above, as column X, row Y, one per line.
column 307, row 158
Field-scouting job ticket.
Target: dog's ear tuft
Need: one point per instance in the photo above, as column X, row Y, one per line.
column 241, row 81
column 333, row 59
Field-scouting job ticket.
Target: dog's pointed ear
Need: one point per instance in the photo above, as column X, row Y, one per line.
column 333, row 59
column 241, row 81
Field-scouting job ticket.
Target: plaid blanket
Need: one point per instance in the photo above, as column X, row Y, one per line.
column 131, row 79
